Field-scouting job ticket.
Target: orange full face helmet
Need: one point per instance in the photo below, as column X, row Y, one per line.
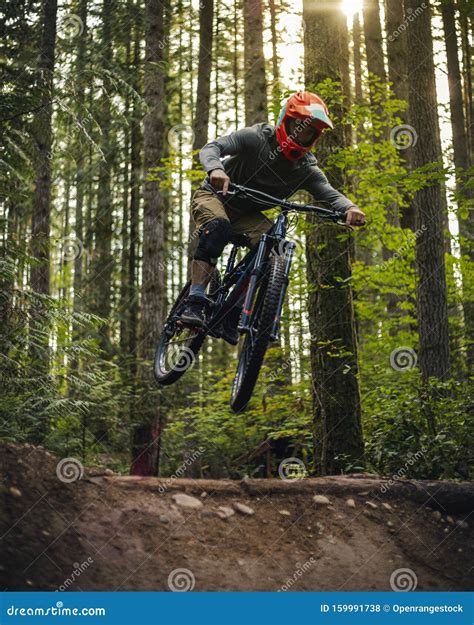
column 302, row 120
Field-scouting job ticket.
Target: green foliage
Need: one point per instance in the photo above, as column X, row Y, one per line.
column 62, row 407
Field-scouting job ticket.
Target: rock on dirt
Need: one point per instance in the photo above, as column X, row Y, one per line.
column 243, row 509
column 186, row 501
column 321, row 499
column 225, row 512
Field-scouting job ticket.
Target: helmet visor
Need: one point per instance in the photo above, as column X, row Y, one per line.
column 301, row 131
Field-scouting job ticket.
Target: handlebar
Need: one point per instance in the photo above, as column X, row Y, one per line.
column 268, row 200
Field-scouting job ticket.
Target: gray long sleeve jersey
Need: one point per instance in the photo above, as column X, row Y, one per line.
column 255, row 160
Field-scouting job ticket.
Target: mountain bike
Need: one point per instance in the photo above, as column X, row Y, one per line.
column 257, row 284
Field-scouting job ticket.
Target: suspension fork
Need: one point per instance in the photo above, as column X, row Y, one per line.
column 255, row 275
column 289, row 251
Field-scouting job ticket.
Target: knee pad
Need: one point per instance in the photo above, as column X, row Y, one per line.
column 213, row 237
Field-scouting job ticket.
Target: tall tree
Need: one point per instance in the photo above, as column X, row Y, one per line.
column 461, row 157
column 431, row 283
column 80, row 157
column 201, row 117
column 397, row 74
column 356, row 38
column 203, row 97
column 146, row 435
column 373, row 40
column 276, row 81
column 43, row 141
column 334, row 364
column 102, row 263
column 256, row 109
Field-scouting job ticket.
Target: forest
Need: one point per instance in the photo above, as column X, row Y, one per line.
column 105, row 105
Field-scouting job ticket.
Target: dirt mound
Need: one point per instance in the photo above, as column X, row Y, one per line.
column 106, row 532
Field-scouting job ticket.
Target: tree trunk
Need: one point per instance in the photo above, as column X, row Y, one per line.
column 276, row 85
column 255, row 81
column 80, row 172
column 43, row 138
column 337, row 417
column 147, row 435
column 356, row 37
column 201, row 117
column 102, row 263
column 136, row 141
column 373, row 40
column 397, row 74
column 431, row 283
column 40, row 223
column 461, row 160
column 203, row 97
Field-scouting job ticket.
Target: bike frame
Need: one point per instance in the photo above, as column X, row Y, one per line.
column 245, row 277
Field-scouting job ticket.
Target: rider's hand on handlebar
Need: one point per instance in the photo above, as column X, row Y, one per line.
column 219, row 180
column 355, row 217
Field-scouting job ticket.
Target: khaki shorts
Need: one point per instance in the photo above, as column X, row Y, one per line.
column 206, row 206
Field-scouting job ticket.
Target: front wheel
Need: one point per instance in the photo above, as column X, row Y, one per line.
column 258, row 337
column 178, row 345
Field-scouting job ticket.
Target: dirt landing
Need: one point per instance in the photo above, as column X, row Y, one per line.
column 105, row 532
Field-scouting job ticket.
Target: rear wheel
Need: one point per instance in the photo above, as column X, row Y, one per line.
column 179, row 345
column 257, row 339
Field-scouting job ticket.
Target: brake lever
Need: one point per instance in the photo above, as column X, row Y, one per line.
column 342, row 223
column 221, row 192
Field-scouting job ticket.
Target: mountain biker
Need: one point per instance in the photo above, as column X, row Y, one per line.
column 276, row 160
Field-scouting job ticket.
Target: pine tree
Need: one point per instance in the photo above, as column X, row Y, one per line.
column 334, row 367
column 431, row 285
column 256, row 108
column 146, row 435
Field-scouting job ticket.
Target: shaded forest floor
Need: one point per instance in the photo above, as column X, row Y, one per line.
column 107, row 532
